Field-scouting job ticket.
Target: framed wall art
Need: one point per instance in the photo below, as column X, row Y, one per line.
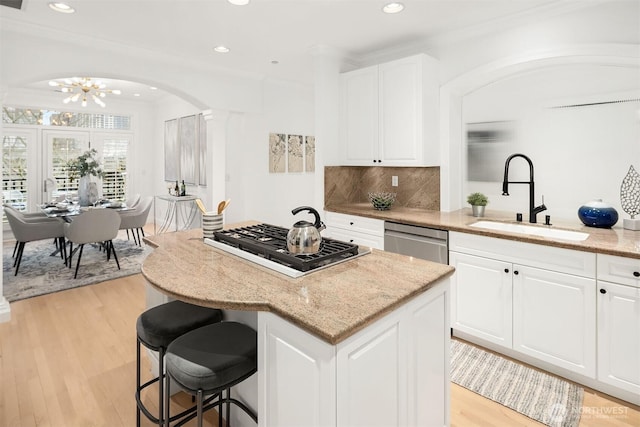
column 202, row 150
column 295, row 157
column 171, row 150
column 309, row 153
column 188, row 136
column 277, row 150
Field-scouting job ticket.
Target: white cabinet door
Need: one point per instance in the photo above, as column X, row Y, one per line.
column 296, row 376
column 554, row 318
column 481, row 297
column 619, row 336
column 396, row 372
column 359, row 116
column 400, row 91
column 429, row 361
column 389, row 113
column 371, row 374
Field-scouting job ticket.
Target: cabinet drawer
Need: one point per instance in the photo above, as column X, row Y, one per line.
column 619, row 270
column 360, row 239
column 533, row 255
column 355, row 223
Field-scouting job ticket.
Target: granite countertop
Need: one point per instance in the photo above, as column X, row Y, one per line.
column 612, row 241
column 332, row 303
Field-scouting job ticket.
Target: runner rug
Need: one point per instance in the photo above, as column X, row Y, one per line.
column 539, row 396
column 41, row 273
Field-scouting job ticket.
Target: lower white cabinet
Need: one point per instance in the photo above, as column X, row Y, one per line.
column 355, row 229
column 554, row 318
column 619, row 336
column 295, row 385
column 501, row 295
column 481, row 293
column 619, row 323
column 394, row 372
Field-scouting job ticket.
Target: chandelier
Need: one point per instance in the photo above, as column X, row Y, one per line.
column 80, row 88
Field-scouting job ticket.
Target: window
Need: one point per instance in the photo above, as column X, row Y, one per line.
column 114, row 159
column 14, row 171
column 35, row 116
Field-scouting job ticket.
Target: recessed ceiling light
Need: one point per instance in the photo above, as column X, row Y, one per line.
column 136, row 94
column 61, row 7
column 153, row 88
column 239, row 2
column 394, row 7
column 221, row 49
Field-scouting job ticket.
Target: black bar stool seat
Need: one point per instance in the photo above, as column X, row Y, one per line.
column 209, row 361
column 156, row 328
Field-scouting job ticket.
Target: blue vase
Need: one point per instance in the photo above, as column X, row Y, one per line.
column 596, row 213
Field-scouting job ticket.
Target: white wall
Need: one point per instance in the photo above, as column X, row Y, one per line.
column 579, row 153
column 255, row 193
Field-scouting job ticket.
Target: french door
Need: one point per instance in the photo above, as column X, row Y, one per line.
column 58, row 148
column 34, row 163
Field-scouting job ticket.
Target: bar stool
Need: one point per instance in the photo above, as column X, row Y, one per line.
column 209, row 361
column 156, row 329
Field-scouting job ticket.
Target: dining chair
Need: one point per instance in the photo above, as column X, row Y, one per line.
column 26, row 229
column 100, row 226
column 136, row 219
column 133, row 201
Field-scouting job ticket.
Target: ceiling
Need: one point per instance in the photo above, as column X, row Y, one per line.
column 269, row 31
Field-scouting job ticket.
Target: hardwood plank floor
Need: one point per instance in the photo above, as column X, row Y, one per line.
column 68, row 359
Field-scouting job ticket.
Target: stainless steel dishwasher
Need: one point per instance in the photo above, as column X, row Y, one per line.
column 419, row 242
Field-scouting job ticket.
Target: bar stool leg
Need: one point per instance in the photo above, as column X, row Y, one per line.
column 138, row 382
column 220, row 399
column 161, row 382
column 199, row 399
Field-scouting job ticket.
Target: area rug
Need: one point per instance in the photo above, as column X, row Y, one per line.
column 40, row 273
column 541, row 397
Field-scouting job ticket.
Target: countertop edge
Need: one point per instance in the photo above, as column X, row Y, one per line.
column 614, row 241
column 175, row 269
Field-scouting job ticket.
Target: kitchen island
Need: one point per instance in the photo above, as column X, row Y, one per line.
column 364, row 342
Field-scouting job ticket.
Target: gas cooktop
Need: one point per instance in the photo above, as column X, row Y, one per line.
column 266, row 245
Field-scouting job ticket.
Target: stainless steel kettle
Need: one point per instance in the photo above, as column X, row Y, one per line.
column 304, row 237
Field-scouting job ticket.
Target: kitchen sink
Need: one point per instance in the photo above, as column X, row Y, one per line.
column 531, row 230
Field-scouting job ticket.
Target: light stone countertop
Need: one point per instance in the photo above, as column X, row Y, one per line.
column 332, row 303
column 612, row 241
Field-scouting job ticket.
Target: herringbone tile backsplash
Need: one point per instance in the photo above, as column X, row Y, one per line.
column 418, row 187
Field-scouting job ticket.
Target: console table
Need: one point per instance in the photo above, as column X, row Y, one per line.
column 181, row 212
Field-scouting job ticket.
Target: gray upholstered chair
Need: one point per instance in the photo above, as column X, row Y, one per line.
column 136, row 219
column 31, row 229
column 93, row 226
column 133, row 201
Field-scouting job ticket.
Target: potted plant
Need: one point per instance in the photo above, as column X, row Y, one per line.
column 84, row 167
column 477, row 201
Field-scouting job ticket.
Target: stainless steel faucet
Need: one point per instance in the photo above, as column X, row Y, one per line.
column 533, row 211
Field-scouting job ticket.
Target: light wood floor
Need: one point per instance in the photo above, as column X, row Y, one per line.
column 68, row 359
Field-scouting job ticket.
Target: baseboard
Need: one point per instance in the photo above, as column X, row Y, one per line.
column 5, row 309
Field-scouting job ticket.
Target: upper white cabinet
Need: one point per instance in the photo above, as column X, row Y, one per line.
column 389, row 114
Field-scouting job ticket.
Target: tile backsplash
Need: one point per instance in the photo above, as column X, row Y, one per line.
column 418, row 187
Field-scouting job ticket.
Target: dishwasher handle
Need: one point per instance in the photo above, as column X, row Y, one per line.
column 416, row 238
column 416, row 230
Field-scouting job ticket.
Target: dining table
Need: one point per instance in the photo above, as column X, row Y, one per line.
column 56, row 210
